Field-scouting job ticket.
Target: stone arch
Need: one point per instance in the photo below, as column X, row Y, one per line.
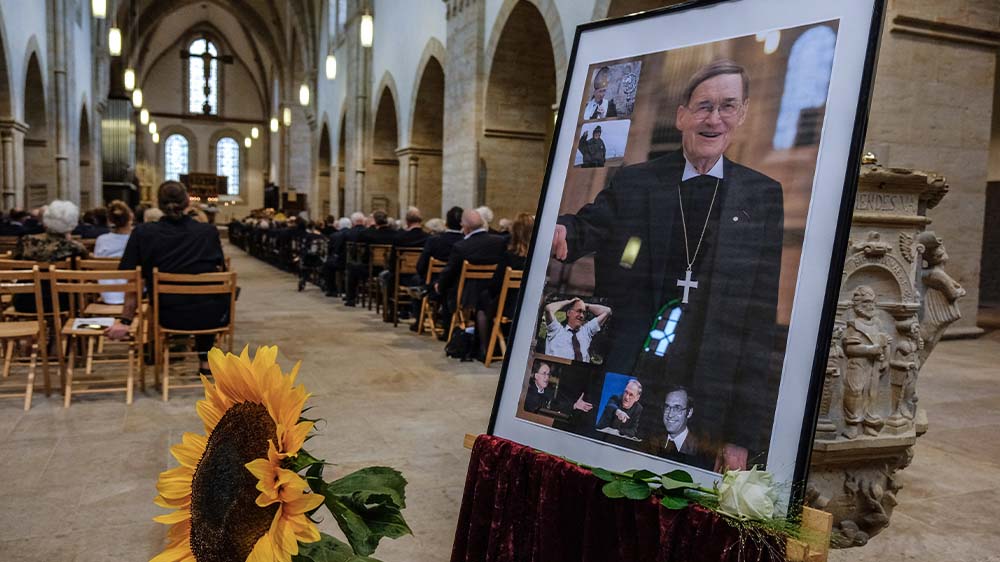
column 87, row 192
column 382, row 183
column 387, row 83
column 434, row 51
column 6, row 91
column 39, row 146
column 422, row 158
column 324, row 161
column 550, row 15
column 518, row 117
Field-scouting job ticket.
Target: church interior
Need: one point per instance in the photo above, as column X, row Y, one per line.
column 320, row 111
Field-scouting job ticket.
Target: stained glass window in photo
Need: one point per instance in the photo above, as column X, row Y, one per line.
column 175, row 151
column 227, row 163
column 197, row 97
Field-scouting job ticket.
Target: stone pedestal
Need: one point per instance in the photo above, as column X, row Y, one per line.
column 895, row 302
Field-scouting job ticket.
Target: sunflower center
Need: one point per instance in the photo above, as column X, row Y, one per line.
column 225, row 520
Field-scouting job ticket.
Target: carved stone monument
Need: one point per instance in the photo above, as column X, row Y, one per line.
column 895, row 302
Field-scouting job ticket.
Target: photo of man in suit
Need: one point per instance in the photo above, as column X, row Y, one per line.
column 623, row 412
column 678, row 442
column 696, row 230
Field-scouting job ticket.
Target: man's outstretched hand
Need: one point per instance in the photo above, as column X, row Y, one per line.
column 559, row 247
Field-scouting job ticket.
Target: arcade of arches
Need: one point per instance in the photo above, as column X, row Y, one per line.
column 454, row 103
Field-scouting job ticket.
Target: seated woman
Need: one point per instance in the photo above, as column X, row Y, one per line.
column 514, row 258
column 53, row 245
column 176, row 244
column 112, row 244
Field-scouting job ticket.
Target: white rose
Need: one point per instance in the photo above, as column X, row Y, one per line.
column 748, row 494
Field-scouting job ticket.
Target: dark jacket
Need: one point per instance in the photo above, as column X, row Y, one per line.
column 437, row 247
column 481, row 248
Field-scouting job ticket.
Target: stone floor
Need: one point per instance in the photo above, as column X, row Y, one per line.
column 78, row 483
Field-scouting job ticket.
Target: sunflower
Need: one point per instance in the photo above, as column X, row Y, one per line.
column 233, row 499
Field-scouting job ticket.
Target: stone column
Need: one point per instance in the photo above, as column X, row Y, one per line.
column 463, row 101
column 408, row 174
column 12, row 161
column 63, row 188
column 358, row 129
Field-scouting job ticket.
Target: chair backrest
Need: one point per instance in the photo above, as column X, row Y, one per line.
column 511, row 280
column 353, row 253
column 98, row 264
column 12, row 265
column 474, row 271
column 81, row 283
column 23, row 281
column 195, row 284
column 8, row 242
column 379, row 255
column 406, row 260
column 434, row 266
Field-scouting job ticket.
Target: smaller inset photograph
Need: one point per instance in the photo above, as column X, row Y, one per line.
column 620, row 406
column 611, row 90
column 678, row 438
column 556, row 391
column 601, row 144
column 574, row 328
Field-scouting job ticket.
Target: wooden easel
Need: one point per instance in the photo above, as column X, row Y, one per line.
column 818, row 524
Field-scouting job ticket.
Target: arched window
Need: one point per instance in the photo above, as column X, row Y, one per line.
column 200, row 101
column 806, row 83
column 175, row 151
column 227, row 163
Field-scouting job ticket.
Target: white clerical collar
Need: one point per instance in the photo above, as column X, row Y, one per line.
column 679, row 440
column 474, row 232
column 690, row 172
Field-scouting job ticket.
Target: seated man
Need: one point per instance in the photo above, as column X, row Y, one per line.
column 439, row 246
column 336, row 254
column 572, row 339
column 623, row 412
column 479, row 247
column 412, row 236
column 380, row 234
column 541, row 394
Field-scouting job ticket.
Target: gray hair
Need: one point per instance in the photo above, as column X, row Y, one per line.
column 486, row 213
column 435, row 225
column 343, row 223
column 61, row 216
column 357, row 217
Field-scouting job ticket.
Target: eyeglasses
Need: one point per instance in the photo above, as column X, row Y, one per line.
column 727, row 110
column 674, row 409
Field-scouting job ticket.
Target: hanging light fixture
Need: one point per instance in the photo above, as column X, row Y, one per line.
column 367, row 30
column 254, row 132
column 274, row 124
column 247, row 142
column 99, row 8
column 115, row 41
column 137, row 97
column 771, row 42
column 286, row 117
column 144, row 116
column 304, row 94
column 129, row 79
column 331, row 66
column 152, row 127
column 156, row 138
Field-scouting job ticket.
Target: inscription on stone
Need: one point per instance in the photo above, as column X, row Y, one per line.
column 896, row 203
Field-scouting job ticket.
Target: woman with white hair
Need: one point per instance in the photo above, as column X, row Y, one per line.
column 59, row 219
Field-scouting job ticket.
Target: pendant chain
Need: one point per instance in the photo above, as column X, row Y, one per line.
column 687, row 250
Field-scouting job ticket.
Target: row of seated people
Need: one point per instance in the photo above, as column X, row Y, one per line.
column 172, row 238
column 466, row 236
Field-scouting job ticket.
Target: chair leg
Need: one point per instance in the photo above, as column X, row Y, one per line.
column 89, row 370
column 30, row 387
column 68, row 385
column 129, row 382
column 420, row 317
column 100, row 344
column 8, row 354
column 166, row 370
column 494, row 333
column 45, row 366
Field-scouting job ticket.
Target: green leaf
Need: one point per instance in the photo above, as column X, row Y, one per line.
column 328, row 549
column 613, row 489
column 643, row 475
column 367, row 504
column 635, row 490
column 680, row 476
column 677, row 479
column 603, row 474
column 674, row 502
column 375, row 484
column 301, row 461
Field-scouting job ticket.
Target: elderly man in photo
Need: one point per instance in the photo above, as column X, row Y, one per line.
column 696, row 230
column 623, row 412
column 541, row 394
column 571, row 340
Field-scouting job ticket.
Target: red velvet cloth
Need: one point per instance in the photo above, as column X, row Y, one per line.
column 526, row 506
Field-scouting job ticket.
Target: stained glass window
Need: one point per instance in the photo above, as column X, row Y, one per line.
column 176, row 157
column 661, row 335
column 806, row 83
column 227, row 163
column 197, row 98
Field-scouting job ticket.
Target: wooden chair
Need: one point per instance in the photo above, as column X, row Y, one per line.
column 469, row 272
column 25, row 265
column 24, row 282
column 354, row 261
column 511, row 281
column 81, row 284
column 427, row 310
column 378, row 258
column 8, row 243
column 406, row 264
column 223, row 283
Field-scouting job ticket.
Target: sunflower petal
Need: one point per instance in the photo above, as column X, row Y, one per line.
column 175, row 517
column 176, row 553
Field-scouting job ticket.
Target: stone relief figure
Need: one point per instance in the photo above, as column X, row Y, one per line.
column 866, row 346
column 903, row 369
column 940, row 293
column 872, row 245
column 834, row 363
